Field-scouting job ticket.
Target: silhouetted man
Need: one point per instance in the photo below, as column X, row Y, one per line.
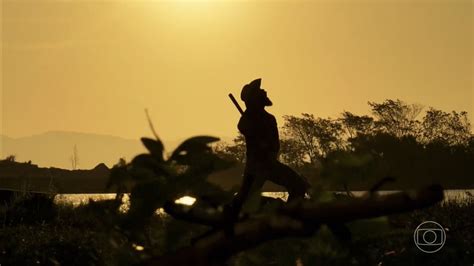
column 263, row 144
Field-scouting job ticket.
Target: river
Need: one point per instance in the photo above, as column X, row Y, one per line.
column 457, row 195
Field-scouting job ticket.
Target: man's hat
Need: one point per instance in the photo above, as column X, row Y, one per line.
column 250, row 89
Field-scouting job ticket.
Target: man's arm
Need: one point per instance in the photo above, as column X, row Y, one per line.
column 274, row 136
column 245, row 126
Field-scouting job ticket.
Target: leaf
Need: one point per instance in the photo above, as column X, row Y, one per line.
column 155, row 147
column 118, row 176
column 192, row 147
column 150, row 162
column 143, row 174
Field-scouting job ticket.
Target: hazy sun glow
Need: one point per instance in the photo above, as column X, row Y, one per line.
column 93, row 66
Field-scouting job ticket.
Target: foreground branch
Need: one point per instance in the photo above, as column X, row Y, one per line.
column 300, row 219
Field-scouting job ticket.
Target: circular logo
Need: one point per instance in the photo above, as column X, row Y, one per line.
column 429, row 237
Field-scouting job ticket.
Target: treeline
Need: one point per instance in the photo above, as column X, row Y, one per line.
column 396, row 140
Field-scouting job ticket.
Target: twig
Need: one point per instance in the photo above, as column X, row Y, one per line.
column 379, row 184
column 150, row 123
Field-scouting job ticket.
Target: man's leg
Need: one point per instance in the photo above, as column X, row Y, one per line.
column 242, row 195
column 283, row 175
column 253, row 180
column 297, row 186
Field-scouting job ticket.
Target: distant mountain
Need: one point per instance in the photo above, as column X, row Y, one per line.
column 55, row 148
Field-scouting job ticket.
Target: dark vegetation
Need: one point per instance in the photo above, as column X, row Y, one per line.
column 337, row 153
column 21, row 176
column 355, row 151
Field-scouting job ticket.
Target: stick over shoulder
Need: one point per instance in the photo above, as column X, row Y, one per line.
column 236, row 103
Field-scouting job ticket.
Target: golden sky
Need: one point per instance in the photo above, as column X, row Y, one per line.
column 93, row 66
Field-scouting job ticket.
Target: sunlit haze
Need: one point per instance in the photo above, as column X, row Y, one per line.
column 94, row 66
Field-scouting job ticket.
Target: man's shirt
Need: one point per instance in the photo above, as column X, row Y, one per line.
column 261, row 135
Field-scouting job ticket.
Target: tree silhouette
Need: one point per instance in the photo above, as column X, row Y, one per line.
column 314, row 137
column 355, row 125
column 449, row 128
column 396, row 117
column 234, row 152
column 394, row 140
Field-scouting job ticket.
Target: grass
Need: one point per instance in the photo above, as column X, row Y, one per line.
column 36, row 230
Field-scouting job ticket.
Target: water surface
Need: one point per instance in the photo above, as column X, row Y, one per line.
column 457, row 195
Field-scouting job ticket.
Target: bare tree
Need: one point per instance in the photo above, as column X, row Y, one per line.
column 314, row 137
column 74, row 158
column 451, row 128
column 11, row 158
column 396, row 117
